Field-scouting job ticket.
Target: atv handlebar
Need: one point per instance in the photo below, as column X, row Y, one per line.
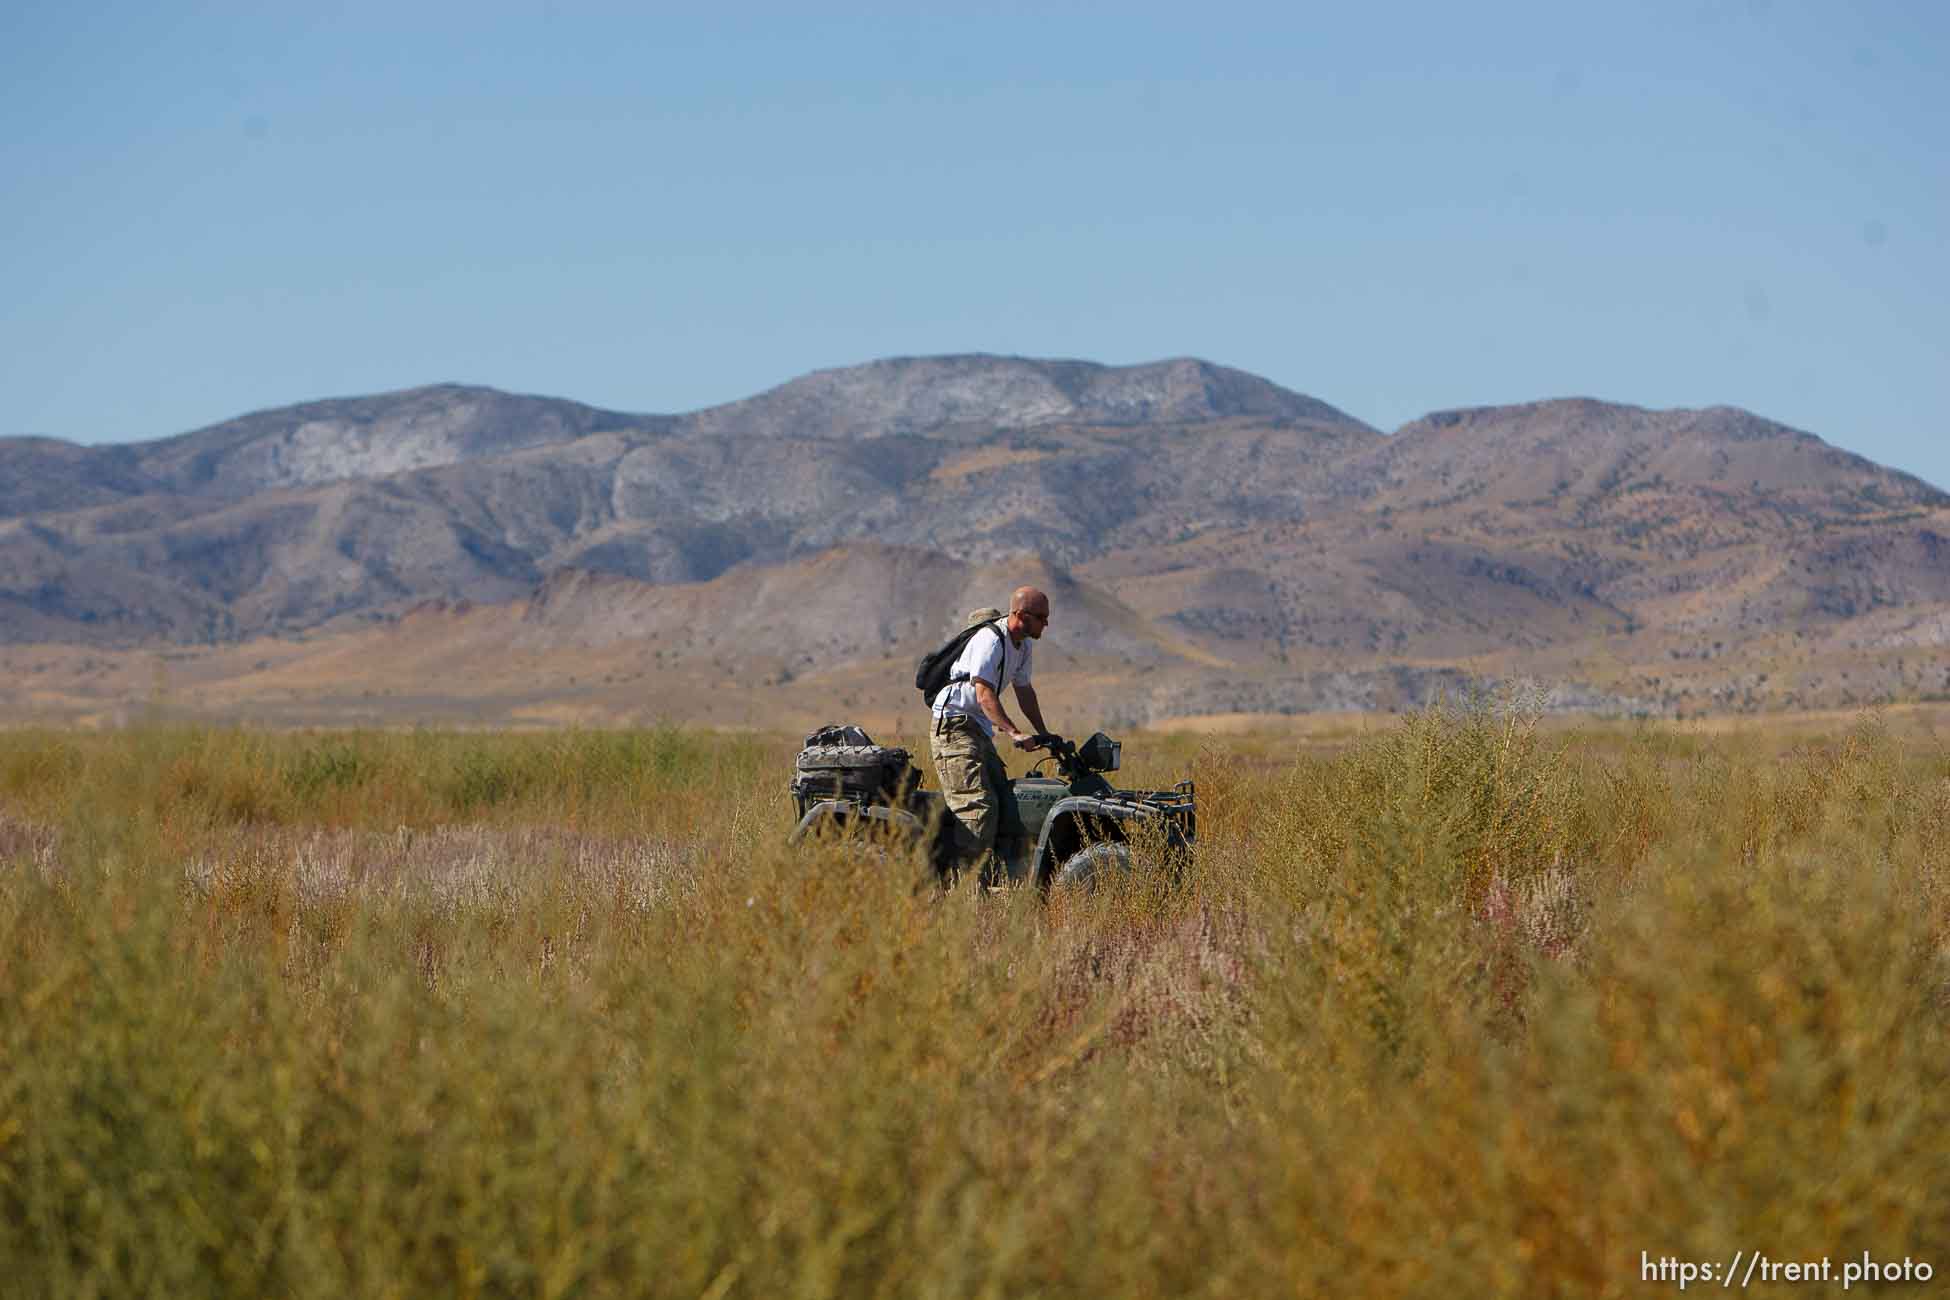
column 1063, row 751
column 1055, row 747
column 1080, row 764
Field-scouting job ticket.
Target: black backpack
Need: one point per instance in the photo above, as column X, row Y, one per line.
column 935, row 671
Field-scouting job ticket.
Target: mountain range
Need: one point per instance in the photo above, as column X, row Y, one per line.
column 1214, row 543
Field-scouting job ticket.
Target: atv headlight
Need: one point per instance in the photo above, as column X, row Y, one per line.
column 1100, row 753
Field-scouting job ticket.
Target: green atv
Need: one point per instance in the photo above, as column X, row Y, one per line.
column 1075, row 826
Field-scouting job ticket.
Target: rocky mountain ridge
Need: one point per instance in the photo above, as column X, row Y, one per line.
column 976, row 394
column 1208, row 524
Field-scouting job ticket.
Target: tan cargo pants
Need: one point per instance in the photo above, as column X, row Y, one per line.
column 975, row 785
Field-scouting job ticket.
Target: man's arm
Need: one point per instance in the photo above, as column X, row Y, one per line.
column 991, row 704
column 1031, row 709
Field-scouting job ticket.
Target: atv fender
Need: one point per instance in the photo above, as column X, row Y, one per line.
column 1081, row 820
column 844, row 813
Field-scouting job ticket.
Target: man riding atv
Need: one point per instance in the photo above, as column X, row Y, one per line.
column 1074, row 826
column 1035, row 829
column 966, row 714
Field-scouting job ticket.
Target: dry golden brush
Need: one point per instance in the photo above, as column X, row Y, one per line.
column 1472, row 1006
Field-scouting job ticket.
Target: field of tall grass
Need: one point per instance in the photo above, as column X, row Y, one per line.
column 1464, row 1009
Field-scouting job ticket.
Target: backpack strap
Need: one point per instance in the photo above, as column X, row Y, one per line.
column 1002, row 635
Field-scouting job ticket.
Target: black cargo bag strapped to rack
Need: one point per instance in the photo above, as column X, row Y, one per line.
column 842, row 762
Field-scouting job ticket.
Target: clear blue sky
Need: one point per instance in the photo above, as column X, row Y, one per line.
column 209, row 209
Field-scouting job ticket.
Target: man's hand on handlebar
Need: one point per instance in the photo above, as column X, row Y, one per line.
column 1029, row 742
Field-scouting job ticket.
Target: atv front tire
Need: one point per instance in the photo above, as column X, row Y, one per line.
column 1083, row 868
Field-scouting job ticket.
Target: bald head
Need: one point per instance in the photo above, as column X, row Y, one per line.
column 1028, row 613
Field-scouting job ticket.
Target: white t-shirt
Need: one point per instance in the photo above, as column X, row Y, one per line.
column 990, row 656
